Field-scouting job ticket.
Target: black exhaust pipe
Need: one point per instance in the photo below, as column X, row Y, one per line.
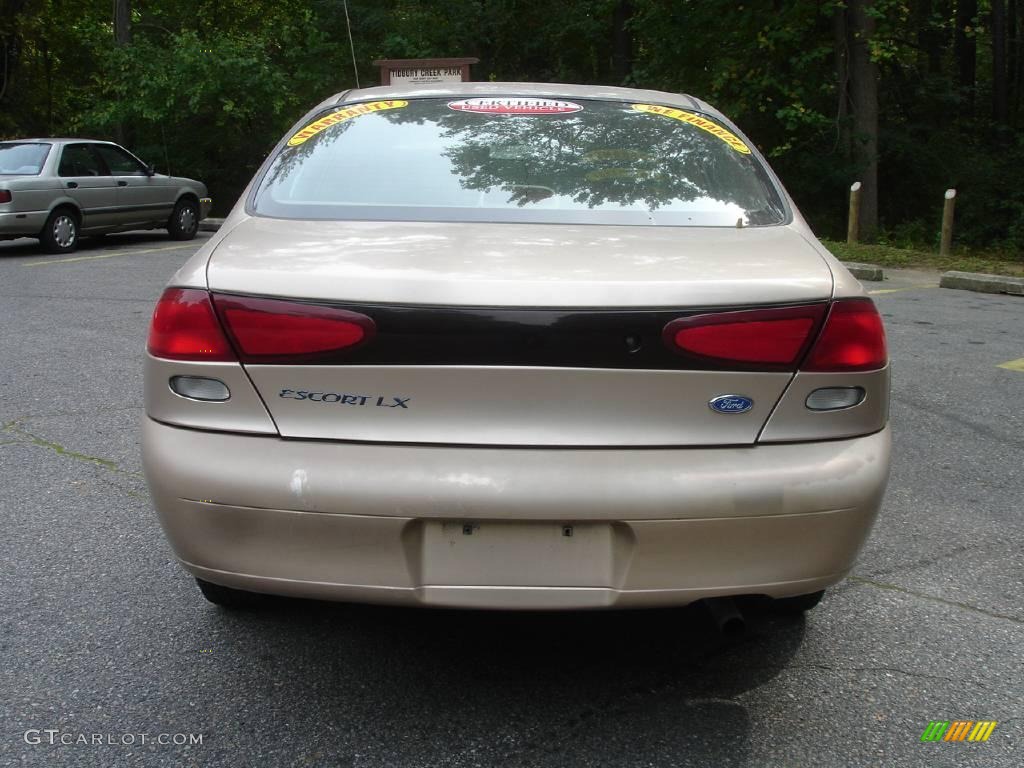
column 727, row 617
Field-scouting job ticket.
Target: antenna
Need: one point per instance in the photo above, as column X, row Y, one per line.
column 351, row 45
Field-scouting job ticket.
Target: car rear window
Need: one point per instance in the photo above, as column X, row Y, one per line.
column 519, row 159
column 22, row 159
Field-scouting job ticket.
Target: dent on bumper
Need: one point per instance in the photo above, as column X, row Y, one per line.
column 367, row 522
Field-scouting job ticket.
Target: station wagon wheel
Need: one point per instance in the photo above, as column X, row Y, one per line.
column 60, row 233
column 184, row 222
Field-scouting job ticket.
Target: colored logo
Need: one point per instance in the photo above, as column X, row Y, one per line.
column 731, row 404
column 341, row 116
column 515, row 106
column 703, row 123
column 958, row 730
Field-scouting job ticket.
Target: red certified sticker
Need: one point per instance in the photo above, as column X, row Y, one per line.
column 515, row 106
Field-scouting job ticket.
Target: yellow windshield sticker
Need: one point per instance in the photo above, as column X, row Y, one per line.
column 701, row 122
column 341, row 116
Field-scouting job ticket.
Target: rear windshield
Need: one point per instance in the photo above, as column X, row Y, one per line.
column 22, row 159
column 519, row 160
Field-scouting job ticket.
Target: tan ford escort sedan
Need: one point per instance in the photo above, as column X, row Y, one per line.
column 516, row 346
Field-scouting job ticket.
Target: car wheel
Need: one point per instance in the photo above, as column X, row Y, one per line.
column 184, row 222
column 799, row 603
column 226, row 597
column 60, row 232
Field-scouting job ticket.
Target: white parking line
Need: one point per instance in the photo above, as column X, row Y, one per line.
column 901, row 290
column 126, row 252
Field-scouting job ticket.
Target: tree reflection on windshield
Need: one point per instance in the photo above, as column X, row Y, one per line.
column 604, row 157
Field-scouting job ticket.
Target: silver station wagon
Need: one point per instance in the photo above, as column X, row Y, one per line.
column 61, row 189
column 520, row 346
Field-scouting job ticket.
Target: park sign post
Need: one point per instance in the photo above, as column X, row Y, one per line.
column 424, row 71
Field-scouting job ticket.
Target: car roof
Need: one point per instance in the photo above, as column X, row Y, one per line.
column 545, row 90
column 55, row 141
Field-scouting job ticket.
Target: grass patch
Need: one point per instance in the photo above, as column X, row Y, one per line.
column 990, row 262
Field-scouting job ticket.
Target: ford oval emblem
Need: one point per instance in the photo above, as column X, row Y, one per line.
column 731, row 404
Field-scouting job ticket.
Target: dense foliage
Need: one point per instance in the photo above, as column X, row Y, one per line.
column 208, row 86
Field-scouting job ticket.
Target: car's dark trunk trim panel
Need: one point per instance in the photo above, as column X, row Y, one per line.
column 498, row 336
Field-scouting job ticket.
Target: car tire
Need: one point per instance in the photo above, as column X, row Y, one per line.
column 184, row 221
column 798, row 604
column 60, row 232
column 226, row 597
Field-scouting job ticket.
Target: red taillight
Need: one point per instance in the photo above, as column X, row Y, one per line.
column 5, row 196
column 853, row 339
column 185, row 327
column 760, row 338
column 275, row 330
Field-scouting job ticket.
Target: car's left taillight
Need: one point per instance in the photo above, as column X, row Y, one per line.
column 6, row 196
column 185, row 327
column 286, row 331
column 191, row 324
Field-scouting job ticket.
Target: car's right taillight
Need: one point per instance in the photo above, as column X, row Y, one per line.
column 852, row 339
column 773, row 339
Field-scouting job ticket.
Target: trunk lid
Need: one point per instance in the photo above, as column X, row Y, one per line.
column 517, row 334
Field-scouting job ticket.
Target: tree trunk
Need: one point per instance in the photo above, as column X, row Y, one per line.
column 622, row 41
column 929, row 38
column 10, row 42
column 864, row 104
column 48, row 70
column 840, row 37
column 122, row 37
column 999, row 88
column 122, row 22
column 965, row 48
column 1013, row 57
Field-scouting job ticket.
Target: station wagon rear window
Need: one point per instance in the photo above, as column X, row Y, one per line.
column 22, row 159
column 515, row 159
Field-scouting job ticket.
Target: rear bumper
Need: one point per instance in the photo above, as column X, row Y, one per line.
column 22, row 223
column 384, row 523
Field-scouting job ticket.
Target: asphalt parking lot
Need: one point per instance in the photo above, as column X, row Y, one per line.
column 102, row 633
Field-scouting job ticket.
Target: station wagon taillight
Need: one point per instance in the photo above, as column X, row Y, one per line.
column 6, row 196
column 851, row 338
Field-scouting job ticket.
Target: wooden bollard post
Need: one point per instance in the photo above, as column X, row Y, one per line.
column 853, row 223
column 947, row 223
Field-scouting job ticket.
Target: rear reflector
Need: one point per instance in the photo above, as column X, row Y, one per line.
column 184, row 327
column 281, row 331
column 774, row 339
column 853, row 339
column 834, row 398
column 200, row 388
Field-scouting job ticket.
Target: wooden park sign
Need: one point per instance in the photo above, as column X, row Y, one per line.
column 424, row 71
